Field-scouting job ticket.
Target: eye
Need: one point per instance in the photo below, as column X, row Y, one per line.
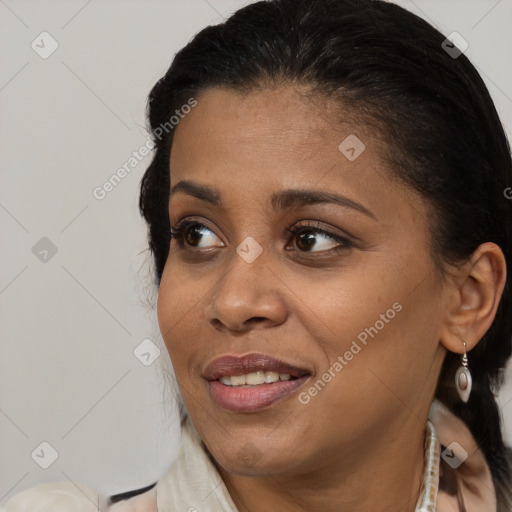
column 311, row 236
column 192, row 233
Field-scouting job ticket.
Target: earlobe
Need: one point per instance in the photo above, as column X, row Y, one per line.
column 479, row 288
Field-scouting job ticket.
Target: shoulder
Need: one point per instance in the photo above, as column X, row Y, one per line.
column 56, row 496
column 138, row 500
column 70, row 496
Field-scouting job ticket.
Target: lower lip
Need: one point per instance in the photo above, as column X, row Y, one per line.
column 241, row 399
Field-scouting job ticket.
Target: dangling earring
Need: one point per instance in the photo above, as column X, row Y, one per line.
column 463, row 379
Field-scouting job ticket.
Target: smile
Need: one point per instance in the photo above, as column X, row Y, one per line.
column 252, row 382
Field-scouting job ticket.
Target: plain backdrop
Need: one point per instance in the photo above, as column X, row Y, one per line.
column 75, row 279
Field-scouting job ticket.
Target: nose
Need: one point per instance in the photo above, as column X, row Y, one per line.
column 247, row 296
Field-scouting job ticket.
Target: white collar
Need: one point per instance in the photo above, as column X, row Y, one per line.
column 192, row 483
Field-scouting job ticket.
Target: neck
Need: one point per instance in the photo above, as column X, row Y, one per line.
column 386, row 477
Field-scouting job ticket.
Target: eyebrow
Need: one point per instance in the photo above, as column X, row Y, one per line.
column 283, row 200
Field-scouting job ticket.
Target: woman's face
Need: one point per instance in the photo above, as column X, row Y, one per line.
column 342, row 318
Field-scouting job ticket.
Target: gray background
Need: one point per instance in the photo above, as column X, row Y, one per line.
column 70, row 321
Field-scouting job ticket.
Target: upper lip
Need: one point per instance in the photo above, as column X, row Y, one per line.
column 239, row 365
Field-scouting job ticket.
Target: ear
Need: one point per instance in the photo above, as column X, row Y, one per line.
column 475, row 293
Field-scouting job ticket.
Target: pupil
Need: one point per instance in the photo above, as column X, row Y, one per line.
column 191, row 239
column 310, row 241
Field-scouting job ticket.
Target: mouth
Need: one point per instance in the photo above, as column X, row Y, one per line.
column 252, row 382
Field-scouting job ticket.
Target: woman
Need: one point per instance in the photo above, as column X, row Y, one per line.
column 331, row 240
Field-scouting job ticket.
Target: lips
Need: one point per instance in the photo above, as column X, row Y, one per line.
column 252, row 398
column 232, row 365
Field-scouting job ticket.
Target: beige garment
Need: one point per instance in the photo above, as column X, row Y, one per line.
column 55, row 497
column 193, row 484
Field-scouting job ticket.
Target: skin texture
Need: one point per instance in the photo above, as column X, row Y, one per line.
column 358, row 444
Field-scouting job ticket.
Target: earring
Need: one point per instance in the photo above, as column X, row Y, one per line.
column 463, row 380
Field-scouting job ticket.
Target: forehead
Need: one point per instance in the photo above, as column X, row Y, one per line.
column 282, row 133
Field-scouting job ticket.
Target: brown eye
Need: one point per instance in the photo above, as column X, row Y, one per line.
column 308, row 237
column 191, row 233
column 305, row 241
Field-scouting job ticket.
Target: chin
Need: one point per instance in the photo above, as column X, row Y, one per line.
column 256, row 454
column 249, row 461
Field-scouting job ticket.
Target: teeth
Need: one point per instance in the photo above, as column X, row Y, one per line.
column 238, row 380
column 254, row 378
column 271, row 377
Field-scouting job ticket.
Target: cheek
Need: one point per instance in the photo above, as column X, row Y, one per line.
column 178, row 305
column 355, row 306
column 381, row 327
column 389, row 361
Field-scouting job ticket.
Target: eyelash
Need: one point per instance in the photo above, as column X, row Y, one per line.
column 345, row 244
